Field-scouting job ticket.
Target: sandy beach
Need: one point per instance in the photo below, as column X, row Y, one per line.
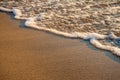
column 28, row 54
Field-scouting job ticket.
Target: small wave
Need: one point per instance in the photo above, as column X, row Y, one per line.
column 87, row 20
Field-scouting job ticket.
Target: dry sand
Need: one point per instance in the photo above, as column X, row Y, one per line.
column 27, row 54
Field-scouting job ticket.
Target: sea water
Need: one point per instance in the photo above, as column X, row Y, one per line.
column 97, row 21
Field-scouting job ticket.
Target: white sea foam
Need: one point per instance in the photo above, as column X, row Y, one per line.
column 30, row 23
column 5, row 9
column 17, row 13
column 92, row 37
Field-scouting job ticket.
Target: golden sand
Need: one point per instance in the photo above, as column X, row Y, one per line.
column 27, row 54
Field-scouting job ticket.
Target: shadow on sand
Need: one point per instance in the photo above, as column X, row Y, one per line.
column 22, row 22
column 107, row 53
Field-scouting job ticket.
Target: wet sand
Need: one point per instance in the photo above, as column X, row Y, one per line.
column 27, row 54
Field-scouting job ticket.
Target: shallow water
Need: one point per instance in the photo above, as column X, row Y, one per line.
column 68, row 17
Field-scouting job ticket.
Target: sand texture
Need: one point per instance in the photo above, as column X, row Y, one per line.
column 27, row 54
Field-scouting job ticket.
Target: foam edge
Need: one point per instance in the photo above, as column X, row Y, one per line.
column 92, row 37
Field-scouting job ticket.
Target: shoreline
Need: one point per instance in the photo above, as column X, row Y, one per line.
column 86, row 42
column 28, row 54
column 92, row 37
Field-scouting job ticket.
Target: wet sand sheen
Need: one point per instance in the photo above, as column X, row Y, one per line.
column 27, row 54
